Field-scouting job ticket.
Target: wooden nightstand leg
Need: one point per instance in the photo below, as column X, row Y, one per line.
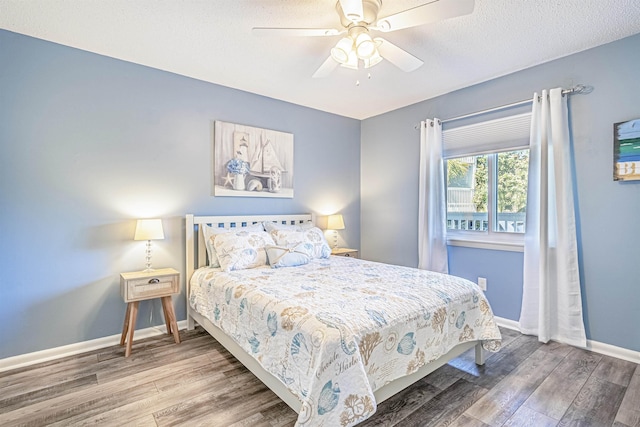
column 125, row 327
column 167, row 317
column 170, row 318
column 133, row 315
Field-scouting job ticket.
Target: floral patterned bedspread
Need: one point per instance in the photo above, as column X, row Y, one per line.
column 336, row 329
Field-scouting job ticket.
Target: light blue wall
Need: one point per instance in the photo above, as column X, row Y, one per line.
column 609, row 229
column 89, row 143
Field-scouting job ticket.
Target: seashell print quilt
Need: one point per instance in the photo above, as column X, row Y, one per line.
column 335, row 330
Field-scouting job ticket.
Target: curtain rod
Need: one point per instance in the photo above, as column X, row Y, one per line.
column 577, row 89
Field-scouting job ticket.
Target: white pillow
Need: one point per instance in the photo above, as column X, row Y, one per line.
column 210, row 233
column 242, row 249
column 314, row 236
column 272, row 226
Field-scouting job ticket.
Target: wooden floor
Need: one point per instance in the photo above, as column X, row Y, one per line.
column 197, row 382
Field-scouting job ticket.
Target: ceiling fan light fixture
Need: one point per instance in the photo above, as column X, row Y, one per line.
column 340, row 53
column 352, row 63
column 375, row 59
column 365, row 46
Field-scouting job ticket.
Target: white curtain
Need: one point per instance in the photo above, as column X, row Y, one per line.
column 551, row 301
column 432, row 241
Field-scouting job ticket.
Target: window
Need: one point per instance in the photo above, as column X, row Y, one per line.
column 488, row 192
column 486, row 178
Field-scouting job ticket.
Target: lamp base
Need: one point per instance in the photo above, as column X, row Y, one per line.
column 148, row 258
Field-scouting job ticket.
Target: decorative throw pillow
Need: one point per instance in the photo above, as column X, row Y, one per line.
column 312, row 236
column 242, row 249
column 281, row 256
column 210, row 233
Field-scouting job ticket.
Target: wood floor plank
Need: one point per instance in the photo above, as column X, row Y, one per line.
column 596, row 404
column 212, row 406
column 45, row 374
column 395, row 409
column 443, row 377
column 629, row 411
column 114, row 369
column 144, row 421
column 280, row 415
column 31, row 397
column 503, row 400
column 59, row 409
column 614, row 370
column 467, row 421
column 70, row 401
column 528, row 417
column 255, row 420
column 445, row 407
column 556, row 393
column 498, row 365
column 124, row 415
column 228, row 415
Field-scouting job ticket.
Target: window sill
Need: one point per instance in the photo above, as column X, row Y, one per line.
column 513, row 246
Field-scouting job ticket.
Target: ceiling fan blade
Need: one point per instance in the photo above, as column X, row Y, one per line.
column 295, row 32
column 352, row 10
column 326, row 68
column 434, row 11
column 398, row 57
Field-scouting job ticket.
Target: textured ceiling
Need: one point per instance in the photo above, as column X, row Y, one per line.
column 211, row 40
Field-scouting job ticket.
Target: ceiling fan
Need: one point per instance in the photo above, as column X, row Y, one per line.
column 359, row 18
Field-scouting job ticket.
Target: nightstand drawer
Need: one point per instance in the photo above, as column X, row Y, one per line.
column 345, row 252
column 154, row 287
column 137, row 286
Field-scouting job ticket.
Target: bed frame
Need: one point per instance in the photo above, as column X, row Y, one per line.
column 196, row 257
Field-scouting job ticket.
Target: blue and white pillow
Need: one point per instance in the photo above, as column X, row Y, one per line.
column 242, row 249
column 282, row 256
column 314, row 236
column 210, row 233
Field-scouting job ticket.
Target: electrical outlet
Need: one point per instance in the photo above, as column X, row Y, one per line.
column 482, row 282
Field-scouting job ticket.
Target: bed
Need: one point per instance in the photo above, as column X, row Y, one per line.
column 330, row 337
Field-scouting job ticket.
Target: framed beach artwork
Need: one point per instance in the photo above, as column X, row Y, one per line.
column 626, row 151
column 252, row 162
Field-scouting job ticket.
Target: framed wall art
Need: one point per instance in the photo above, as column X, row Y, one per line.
column 626, row 151
column 252, row 162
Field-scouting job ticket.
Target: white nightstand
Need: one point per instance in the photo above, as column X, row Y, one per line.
column 142, row 285
column 352, row 253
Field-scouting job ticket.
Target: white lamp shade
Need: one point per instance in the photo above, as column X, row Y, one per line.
column 352, row 62
column 149, row 229
column 375, row 59
column 335, row 222
column 340, row 53
column 365, row 46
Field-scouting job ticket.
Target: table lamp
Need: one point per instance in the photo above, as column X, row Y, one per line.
column 335, row 223
column 149, row 229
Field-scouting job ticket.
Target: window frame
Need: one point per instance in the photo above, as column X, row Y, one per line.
column 489, row 239
column 510, row 133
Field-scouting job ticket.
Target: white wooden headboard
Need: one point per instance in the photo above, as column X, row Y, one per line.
column 196, row 253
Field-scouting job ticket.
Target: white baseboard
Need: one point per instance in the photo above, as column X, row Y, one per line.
column 595, row 346
column 81, row 347
column 508, row 323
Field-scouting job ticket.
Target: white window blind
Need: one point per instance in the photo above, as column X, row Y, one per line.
column 507, row 133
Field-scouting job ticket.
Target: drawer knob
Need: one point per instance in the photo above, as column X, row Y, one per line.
column 347, row 254
column 155, row 280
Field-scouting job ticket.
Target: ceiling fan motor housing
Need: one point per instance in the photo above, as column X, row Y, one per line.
column 370, row 9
